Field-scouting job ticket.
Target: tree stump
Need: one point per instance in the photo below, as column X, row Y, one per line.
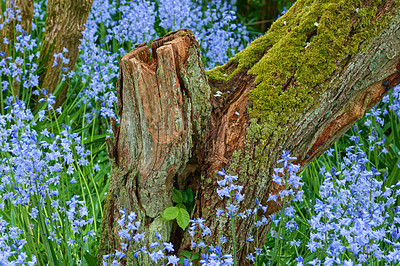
column 178, row 127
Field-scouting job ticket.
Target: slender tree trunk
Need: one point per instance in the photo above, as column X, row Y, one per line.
column 24, row 10
column 269, row 11
column 299, row 88
column 64, row 25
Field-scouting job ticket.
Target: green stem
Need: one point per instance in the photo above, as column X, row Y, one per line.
column 234, row 241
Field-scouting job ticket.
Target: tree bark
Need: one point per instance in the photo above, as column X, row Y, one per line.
column 64, row 25
column 24, row 9
column 299, row 88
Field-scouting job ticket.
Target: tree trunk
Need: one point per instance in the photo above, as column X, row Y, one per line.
column 64, row 25
column 299, row 88
column 24, row 9
column 268, row 13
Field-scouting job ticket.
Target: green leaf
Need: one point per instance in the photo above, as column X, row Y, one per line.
column 170, row 213
column 393, row 177
column 90, row 259
column 177, row 196
column 186, row 254
column 183, row 218
column 189, row 193
column 181, row 206
column 394, row 130
column 95, row 138
column 184, row 195
column 195, row 256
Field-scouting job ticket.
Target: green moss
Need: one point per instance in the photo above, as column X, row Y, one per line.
column 218, row 73
column 311, row 43
column 307, row 50
column 304, row 45
column 295, row 60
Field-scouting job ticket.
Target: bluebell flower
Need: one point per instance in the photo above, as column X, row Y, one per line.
column 173, row 260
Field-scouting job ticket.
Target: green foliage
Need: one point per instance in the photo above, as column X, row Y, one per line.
column 191, row 256
column 258, row 15
column 90, row 185
column 90, row 259
column 180, row 212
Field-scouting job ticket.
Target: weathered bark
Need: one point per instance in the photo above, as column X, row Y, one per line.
column 64, row 25
column 174, row 132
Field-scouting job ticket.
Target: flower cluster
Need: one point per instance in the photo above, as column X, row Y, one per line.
column 287, row 177
column 98, row 69
column 355, row 213
column 219, row 41
column 355, row 217
column 19, row 67
column 11, row 245
column 35, row 167
column 283, row 223
column 130, row 236
column 133, row 27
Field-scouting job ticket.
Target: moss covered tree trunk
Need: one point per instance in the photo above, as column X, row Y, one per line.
column 299, row 88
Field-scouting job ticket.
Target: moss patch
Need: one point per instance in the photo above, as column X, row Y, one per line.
column 318, row 37
column 294, row 60
column 218, row 73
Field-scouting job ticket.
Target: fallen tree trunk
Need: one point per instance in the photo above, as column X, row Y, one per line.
column 299, row 88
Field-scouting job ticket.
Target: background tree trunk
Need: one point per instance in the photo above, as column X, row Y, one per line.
column 299, row 88
column 24, row 9
column 64, row 25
